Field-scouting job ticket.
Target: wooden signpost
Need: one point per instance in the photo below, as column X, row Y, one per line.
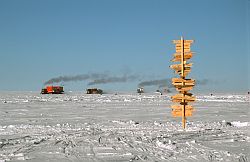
column 182, row 85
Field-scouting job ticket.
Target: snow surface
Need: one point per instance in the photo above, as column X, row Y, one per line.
column 125, row 127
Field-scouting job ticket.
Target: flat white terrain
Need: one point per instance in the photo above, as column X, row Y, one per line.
column 124, row 127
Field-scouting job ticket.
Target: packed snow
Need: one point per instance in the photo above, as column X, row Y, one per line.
column 121, row 127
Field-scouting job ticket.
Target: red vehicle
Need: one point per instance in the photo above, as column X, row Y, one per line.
column 52, row 90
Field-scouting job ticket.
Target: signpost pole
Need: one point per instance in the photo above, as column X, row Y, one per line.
column 182, row 84
column 183, row 77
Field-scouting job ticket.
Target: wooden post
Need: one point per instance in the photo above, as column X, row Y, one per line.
column 182, row 84
column 183, row 77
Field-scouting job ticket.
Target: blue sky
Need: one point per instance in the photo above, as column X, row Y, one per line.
column 40, row 40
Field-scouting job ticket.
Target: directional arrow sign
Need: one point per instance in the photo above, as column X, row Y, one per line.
column 184, row 101
column 185, row 88
column 179, row 107
column 181, row 86
column 180, row 47
column 179, row 113
column 186, row 70
column 179, row 82
column 186, row 45
column 178, row 67
column 185, row 50
column 183, row 97
column 177, row 56
column 185, row 41
column 187, row 54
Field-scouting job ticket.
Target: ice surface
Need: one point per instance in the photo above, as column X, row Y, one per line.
column 240, row 124
column 127, row 127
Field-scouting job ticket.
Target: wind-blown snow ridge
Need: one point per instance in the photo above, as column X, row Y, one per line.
column 118, row 140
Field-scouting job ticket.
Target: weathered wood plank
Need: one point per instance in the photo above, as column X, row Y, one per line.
column 185, row 41
column 182, row 89
column 179, row 66
column 183, row 80
column 183, row 97
column 179, row 113
column 179, row 107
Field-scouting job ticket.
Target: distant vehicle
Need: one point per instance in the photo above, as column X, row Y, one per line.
column 44, row 91
column 158, row 91
column 52, row 90
column 140, row 90
column 94, row 91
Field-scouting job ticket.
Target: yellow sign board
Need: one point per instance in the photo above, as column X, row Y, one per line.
column 184, row 89
column 178, row 56
column 185, row 72
column 185, row 50
column 182, row 95
column 179, row 66
column 186, row 54
column 178, row 82
column 183, row 80
column 179, row 107
column 186, row 45
column 179, row 113
column 185, row 41
column 192, row 99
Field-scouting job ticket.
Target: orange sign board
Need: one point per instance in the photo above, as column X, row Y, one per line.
column 177, row 56
column 180, row 46
column 186, row 72
column 179, row 66
column 184, row 101
column 183, row 97
column 187, row 54
column 186, row 45
column 180, row 50
column 179, row 107
column 183, row 80
column 184, row 89
column 179, row 82
column 179, row 113
column 185, row 41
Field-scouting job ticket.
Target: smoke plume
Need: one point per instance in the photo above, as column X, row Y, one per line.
column 114, row 79
column 75, row 78
column 168, row 83
column 203, row 82
column 160, row 83
column 94, row 78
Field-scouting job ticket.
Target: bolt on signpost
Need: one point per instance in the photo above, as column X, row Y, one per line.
column 182, row 85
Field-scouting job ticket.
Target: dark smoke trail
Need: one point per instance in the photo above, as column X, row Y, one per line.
column 109, row 79
column 168, row 83
column 202, row 82
column 75, row 78
column 160, row 83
